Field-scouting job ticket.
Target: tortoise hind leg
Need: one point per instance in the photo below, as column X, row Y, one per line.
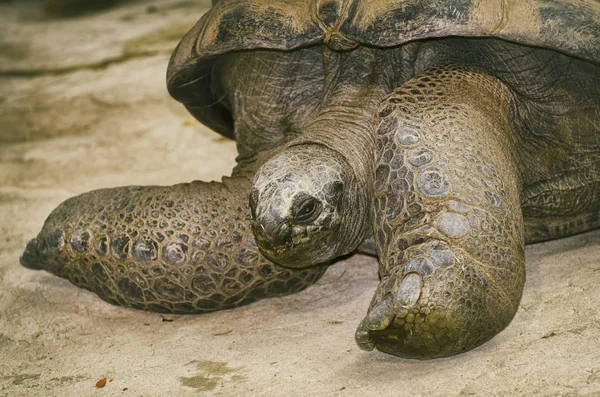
column 448, row 221
column 186, row 248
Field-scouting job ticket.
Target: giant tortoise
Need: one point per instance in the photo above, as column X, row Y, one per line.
column 449, row 132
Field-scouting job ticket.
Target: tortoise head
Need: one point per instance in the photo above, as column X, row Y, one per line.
column 302, row 203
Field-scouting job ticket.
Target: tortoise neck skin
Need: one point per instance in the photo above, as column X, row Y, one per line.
column 330, row 159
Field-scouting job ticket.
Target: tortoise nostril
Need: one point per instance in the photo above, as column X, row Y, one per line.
column 271, row 235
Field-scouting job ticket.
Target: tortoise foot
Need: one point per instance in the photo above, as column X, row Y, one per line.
column 437, row 304
column 448, row 223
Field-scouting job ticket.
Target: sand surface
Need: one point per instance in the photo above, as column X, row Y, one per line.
column 83, row 105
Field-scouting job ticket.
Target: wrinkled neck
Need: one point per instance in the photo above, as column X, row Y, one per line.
column 354, row 143
column 349, row 133
column 354, row 85
column 355, row 82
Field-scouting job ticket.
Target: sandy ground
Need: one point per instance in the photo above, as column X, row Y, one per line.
column 83, row 105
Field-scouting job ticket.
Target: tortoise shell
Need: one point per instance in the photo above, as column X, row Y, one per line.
column 568, row 26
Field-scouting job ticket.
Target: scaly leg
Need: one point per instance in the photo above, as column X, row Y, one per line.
column 448, row 223
column 187, row 248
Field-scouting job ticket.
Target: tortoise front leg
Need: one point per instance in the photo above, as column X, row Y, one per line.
column 187, row 248
column 448, row 223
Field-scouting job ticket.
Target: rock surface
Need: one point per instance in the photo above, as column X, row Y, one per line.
column 84, row 106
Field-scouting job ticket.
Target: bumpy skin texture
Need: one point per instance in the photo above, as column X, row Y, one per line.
column 462, row 153
column 471, row 162
column 305, row 206
column 185, row 249
column 448, row 216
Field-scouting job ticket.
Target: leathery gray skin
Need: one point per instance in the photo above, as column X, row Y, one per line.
column 311, row 202
column 460, row 187
column 453, row 153
column 300, row 204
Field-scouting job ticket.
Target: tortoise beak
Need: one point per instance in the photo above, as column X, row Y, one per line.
column 272, row 235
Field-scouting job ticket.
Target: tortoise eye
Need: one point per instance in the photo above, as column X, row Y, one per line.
column 306, row 209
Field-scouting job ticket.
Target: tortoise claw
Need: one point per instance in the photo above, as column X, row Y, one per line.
column 380, row 316
column 363, row 339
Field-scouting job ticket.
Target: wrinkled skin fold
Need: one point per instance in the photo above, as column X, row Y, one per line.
column 453, row 153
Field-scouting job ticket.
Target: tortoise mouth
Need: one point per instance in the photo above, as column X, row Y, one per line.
column 294, row 250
